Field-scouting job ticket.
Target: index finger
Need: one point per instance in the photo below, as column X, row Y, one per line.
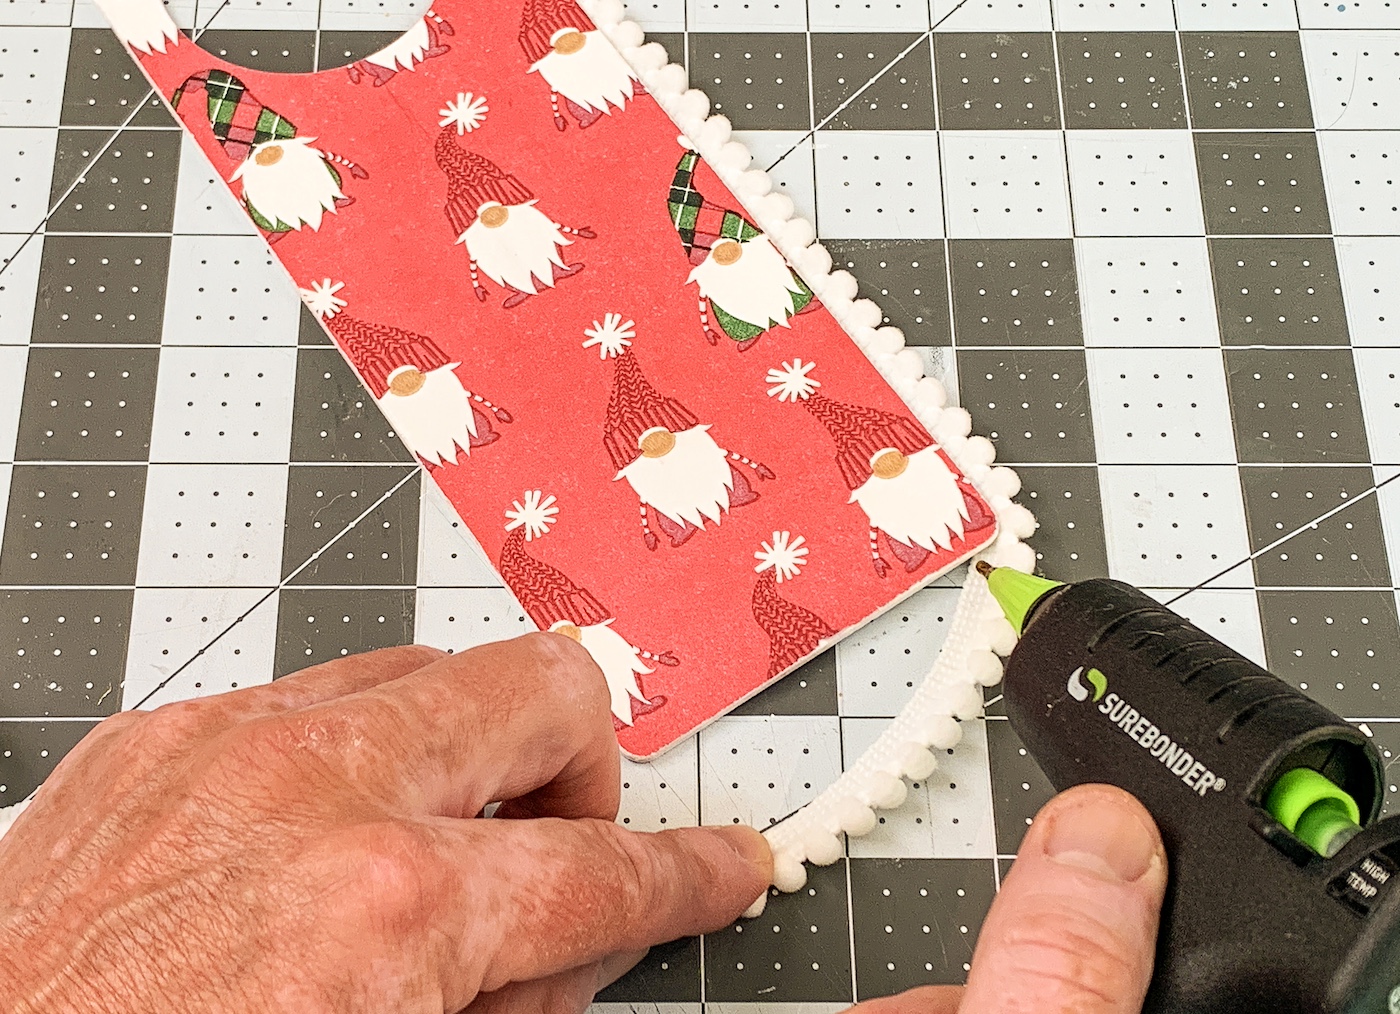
column 570, row 893
column 496, row 722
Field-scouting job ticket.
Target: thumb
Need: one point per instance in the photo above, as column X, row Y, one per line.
column 1074, row 928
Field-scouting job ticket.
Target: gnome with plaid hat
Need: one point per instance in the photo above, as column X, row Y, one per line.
column 745, row 284
column 558, row 605
column 412, row 380
column 576, row 60
column 793, row 632
column 894, row 471
column 421, row 42
column 287, row 183
column 680, row 475
column 508, row 239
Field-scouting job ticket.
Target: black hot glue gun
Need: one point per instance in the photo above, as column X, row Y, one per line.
column 1282, row 882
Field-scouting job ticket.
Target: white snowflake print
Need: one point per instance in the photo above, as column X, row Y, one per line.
column 612, row 336
column 786, row 556
column 535, row 515
column 791, row 381
column 466, row 112
column 321, row 298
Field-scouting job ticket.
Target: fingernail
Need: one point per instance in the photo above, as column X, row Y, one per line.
column 1103, row 840
column 751, row 846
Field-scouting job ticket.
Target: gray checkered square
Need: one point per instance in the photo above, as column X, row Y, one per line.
column 131, row 187
column 758, row 81
column 902, row 97
column 1121, row 79
column 1283, row 291
column 1246, row 80
column 1261, row 183
column 996, row 82
column 101, row 289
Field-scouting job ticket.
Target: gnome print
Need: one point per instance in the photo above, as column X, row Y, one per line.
column 745, row 285
column 793, row 632
column 555, row 603
column 287, row 183
column 421, row 42
column 894, row 471
column 680, row 475
column 576, row 60
column 412, row 380
column 508, row 239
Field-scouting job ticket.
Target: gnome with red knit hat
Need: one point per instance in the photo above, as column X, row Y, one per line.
column 287, row 183
column 894, row 471
column 556, row 604
column 745, row 285
column 412, row 380
column 421, row 42
column 576, row 60
column 793, row 632
column 493, row 214
column 680, row 475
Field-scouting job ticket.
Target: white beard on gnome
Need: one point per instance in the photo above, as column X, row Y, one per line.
column 289, row 182
column 405, row 51
column 758, row 288
column 592, row 77
column 518, row 252
column 435, row 420
column 689, row 483
column 141, row 25
column 922, row 506
column 621, row 664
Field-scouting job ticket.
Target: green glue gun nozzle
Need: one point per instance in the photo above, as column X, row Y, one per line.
column 1283, row 878
column 1015, row 591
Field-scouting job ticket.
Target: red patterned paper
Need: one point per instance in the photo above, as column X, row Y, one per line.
column 670, row 449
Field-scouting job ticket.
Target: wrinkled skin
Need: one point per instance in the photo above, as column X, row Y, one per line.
column 312, row 846
column 1074, row 927
column 315, row 846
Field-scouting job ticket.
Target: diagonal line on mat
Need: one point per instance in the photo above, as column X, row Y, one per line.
column 270, row 592
column 100, row 152
column 861, row 90
column 417, row 470
column 1309, row 526
column 413, row 472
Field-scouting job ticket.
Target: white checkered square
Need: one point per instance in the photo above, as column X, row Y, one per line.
column 1134, row 183
column 1005, row 184
column 1160, row 406
column 1362, row 187
column 878, row 184
column 1146, row 295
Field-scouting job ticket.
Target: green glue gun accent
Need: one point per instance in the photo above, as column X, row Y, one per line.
column 1318, row 811
column 1283, row 891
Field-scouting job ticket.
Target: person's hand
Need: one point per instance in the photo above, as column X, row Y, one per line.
column 1074, row 928
column 311, row 846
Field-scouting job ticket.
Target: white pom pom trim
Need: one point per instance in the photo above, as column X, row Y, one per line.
column 978, row 633
column 9, row 814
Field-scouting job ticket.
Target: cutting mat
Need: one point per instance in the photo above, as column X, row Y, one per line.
column 1154, row 249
